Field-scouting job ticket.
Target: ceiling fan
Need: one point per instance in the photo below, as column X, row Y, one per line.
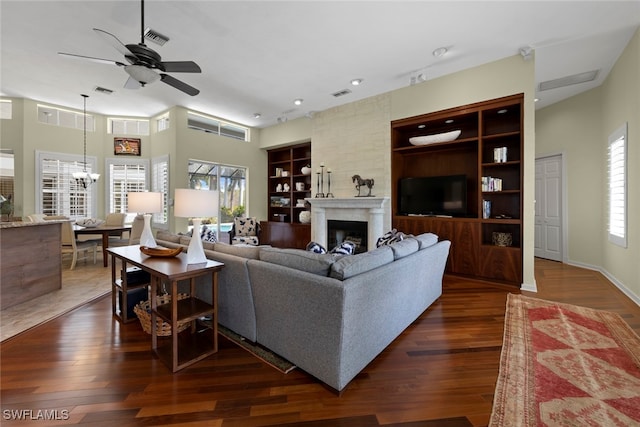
column 143, row 64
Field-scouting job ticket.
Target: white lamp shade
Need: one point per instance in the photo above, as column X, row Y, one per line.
column 195, row 203
column 144, row 202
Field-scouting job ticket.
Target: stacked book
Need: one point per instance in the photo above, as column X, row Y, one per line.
column 500, row 154
column 491, row 184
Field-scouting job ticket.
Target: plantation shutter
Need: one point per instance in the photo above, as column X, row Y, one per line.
column 617, row 187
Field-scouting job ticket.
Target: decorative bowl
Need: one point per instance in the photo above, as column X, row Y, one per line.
column 432, row 139
column 160, row 251
column 306, row 170
column 90, row 222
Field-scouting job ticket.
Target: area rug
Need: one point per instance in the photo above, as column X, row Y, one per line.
column 564, row 365
column 262, row 353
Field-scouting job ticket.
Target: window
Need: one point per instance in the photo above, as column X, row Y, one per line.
column 6, row 110
column 162, row 123
column 617, row 162
column 124, row 176
column 58, row 193
column 160, row 184
column 231, row 183
column 218, row 127
column 127, row 126
column 64, row 118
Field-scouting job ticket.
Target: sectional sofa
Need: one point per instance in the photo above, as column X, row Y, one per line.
column 329, row 315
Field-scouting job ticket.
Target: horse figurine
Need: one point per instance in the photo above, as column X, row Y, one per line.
column 360, row 182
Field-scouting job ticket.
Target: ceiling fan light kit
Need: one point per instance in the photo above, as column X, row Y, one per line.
column 143, row 63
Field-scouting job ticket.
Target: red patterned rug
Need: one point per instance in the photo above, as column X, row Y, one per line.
column 564, row 365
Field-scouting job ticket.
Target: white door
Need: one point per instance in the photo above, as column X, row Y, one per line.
column 548, row 214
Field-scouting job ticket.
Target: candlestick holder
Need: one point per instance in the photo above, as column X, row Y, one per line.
column 320, row 183
column 329, row 193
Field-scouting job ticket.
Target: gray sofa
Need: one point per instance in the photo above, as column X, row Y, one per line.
column 329, row 315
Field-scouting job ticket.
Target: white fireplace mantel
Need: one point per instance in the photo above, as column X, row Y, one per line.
column 372, row 210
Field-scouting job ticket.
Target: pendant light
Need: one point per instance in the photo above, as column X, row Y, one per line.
column 85, row 178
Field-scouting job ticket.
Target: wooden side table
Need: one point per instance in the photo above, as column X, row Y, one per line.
column 192, row 344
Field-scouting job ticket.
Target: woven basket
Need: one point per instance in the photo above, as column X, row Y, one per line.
column 163, row 329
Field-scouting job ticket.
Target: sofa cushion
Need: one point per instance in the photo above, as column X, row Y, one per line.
column 426, row 239
column 167, row 236
column 405, row 247
column 244, row 251
column 350, row 266
column 299, row 259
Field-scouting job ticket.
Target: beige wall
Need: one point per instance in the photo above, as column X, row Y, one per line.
column 579, row 128
column 356, row 137
column 26, row 135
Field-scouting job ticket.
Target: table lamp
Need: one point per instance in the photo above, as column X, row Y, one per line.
column 195, row 204
column 145, row 203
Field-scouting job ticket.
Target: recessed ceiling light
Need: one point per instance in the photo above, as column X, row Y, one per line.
column 298, row 101
column 440, row 51
column 257, row 115
column 449, row 121
column 504, row 110
column 422, row 126
column 356, row 82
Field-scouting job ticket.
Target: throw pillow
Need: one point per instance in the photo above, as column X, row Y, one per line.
column 344, row 248
column 316, row 248
column 208, row 235
column 390, row 237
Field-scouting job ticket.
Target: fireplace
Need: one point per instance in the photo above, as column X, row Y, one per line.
column 372, row 211
column 339, row 231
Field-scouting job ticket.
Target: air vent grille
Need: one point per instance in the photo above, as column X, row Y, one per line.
column 569, row 80
column 155, row 36
column 103, row 90
column 342, row 92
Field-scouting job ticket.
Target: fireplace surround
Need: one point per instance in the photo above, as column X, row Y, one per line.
column 372, row 210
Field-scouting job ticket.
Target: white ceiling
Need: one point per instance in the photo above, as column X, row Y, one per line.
column 258, row 56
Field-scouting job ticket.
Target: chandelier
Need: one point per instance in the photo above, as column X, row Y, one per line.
column 85, row 178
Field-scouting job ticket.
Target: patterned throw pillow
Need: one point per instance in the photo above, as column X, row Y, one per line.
column 316, row 248
column 390, row 237
column 344, row 248
column 208, row 235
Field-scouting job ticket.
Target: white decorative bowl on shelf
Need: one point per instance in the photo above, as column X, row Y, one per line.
column 306, row 170
column 438, row 137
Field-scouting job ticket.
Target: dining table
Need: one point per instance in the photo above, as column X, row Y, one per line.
column 105, row 231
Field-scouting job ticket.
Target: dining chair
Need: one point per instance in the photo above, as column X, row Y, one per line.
column 115, row 219
column 70, row 245
column 134, row 234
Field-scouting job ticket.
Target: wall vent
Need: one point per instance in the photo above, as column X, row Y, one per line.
column 342, row 92
column 155, row 36
column 103, row 90
column 569, row 80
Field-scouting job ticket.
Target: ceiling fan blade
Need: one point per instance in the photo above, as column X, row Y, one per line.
column 114, row 41
column 181, row 67
column 90, row 58
column 171, row 81
column 132, row 83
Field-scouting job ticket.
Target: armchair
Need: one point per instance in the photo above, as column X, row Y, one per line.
column 245, row 231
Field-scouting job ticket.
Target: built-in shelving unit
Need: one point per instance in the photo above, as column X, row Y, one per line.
column 485, row 244
column 287, row 184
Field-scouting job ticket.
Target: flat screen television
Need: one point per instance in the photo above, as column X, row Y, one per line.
column 433, row 195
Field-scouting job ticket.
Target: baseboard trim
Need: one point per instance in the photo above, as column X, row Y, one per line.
column 633, row 297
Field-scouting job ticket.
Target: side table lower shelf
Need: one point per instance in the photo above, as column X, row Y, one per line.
column 191, row 348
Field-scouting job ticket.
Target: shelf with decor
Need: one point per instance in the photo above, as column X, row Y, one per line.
column 481, row 144
column 289, row 182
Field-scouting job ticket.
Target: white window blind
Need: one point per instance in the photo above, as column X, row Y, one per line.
column 125, row 177
column 160, row 184
column 617, row 178
column 59, row 193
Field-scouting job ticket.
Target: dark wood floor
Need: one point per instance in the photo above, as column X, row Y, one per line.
column 440, row 372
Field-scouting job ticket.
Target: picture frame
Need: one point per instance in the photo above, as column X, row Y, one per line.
column 127, row 146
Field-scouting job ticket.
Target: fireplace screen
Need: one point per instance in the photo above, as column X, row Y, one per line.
column 354, row 231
